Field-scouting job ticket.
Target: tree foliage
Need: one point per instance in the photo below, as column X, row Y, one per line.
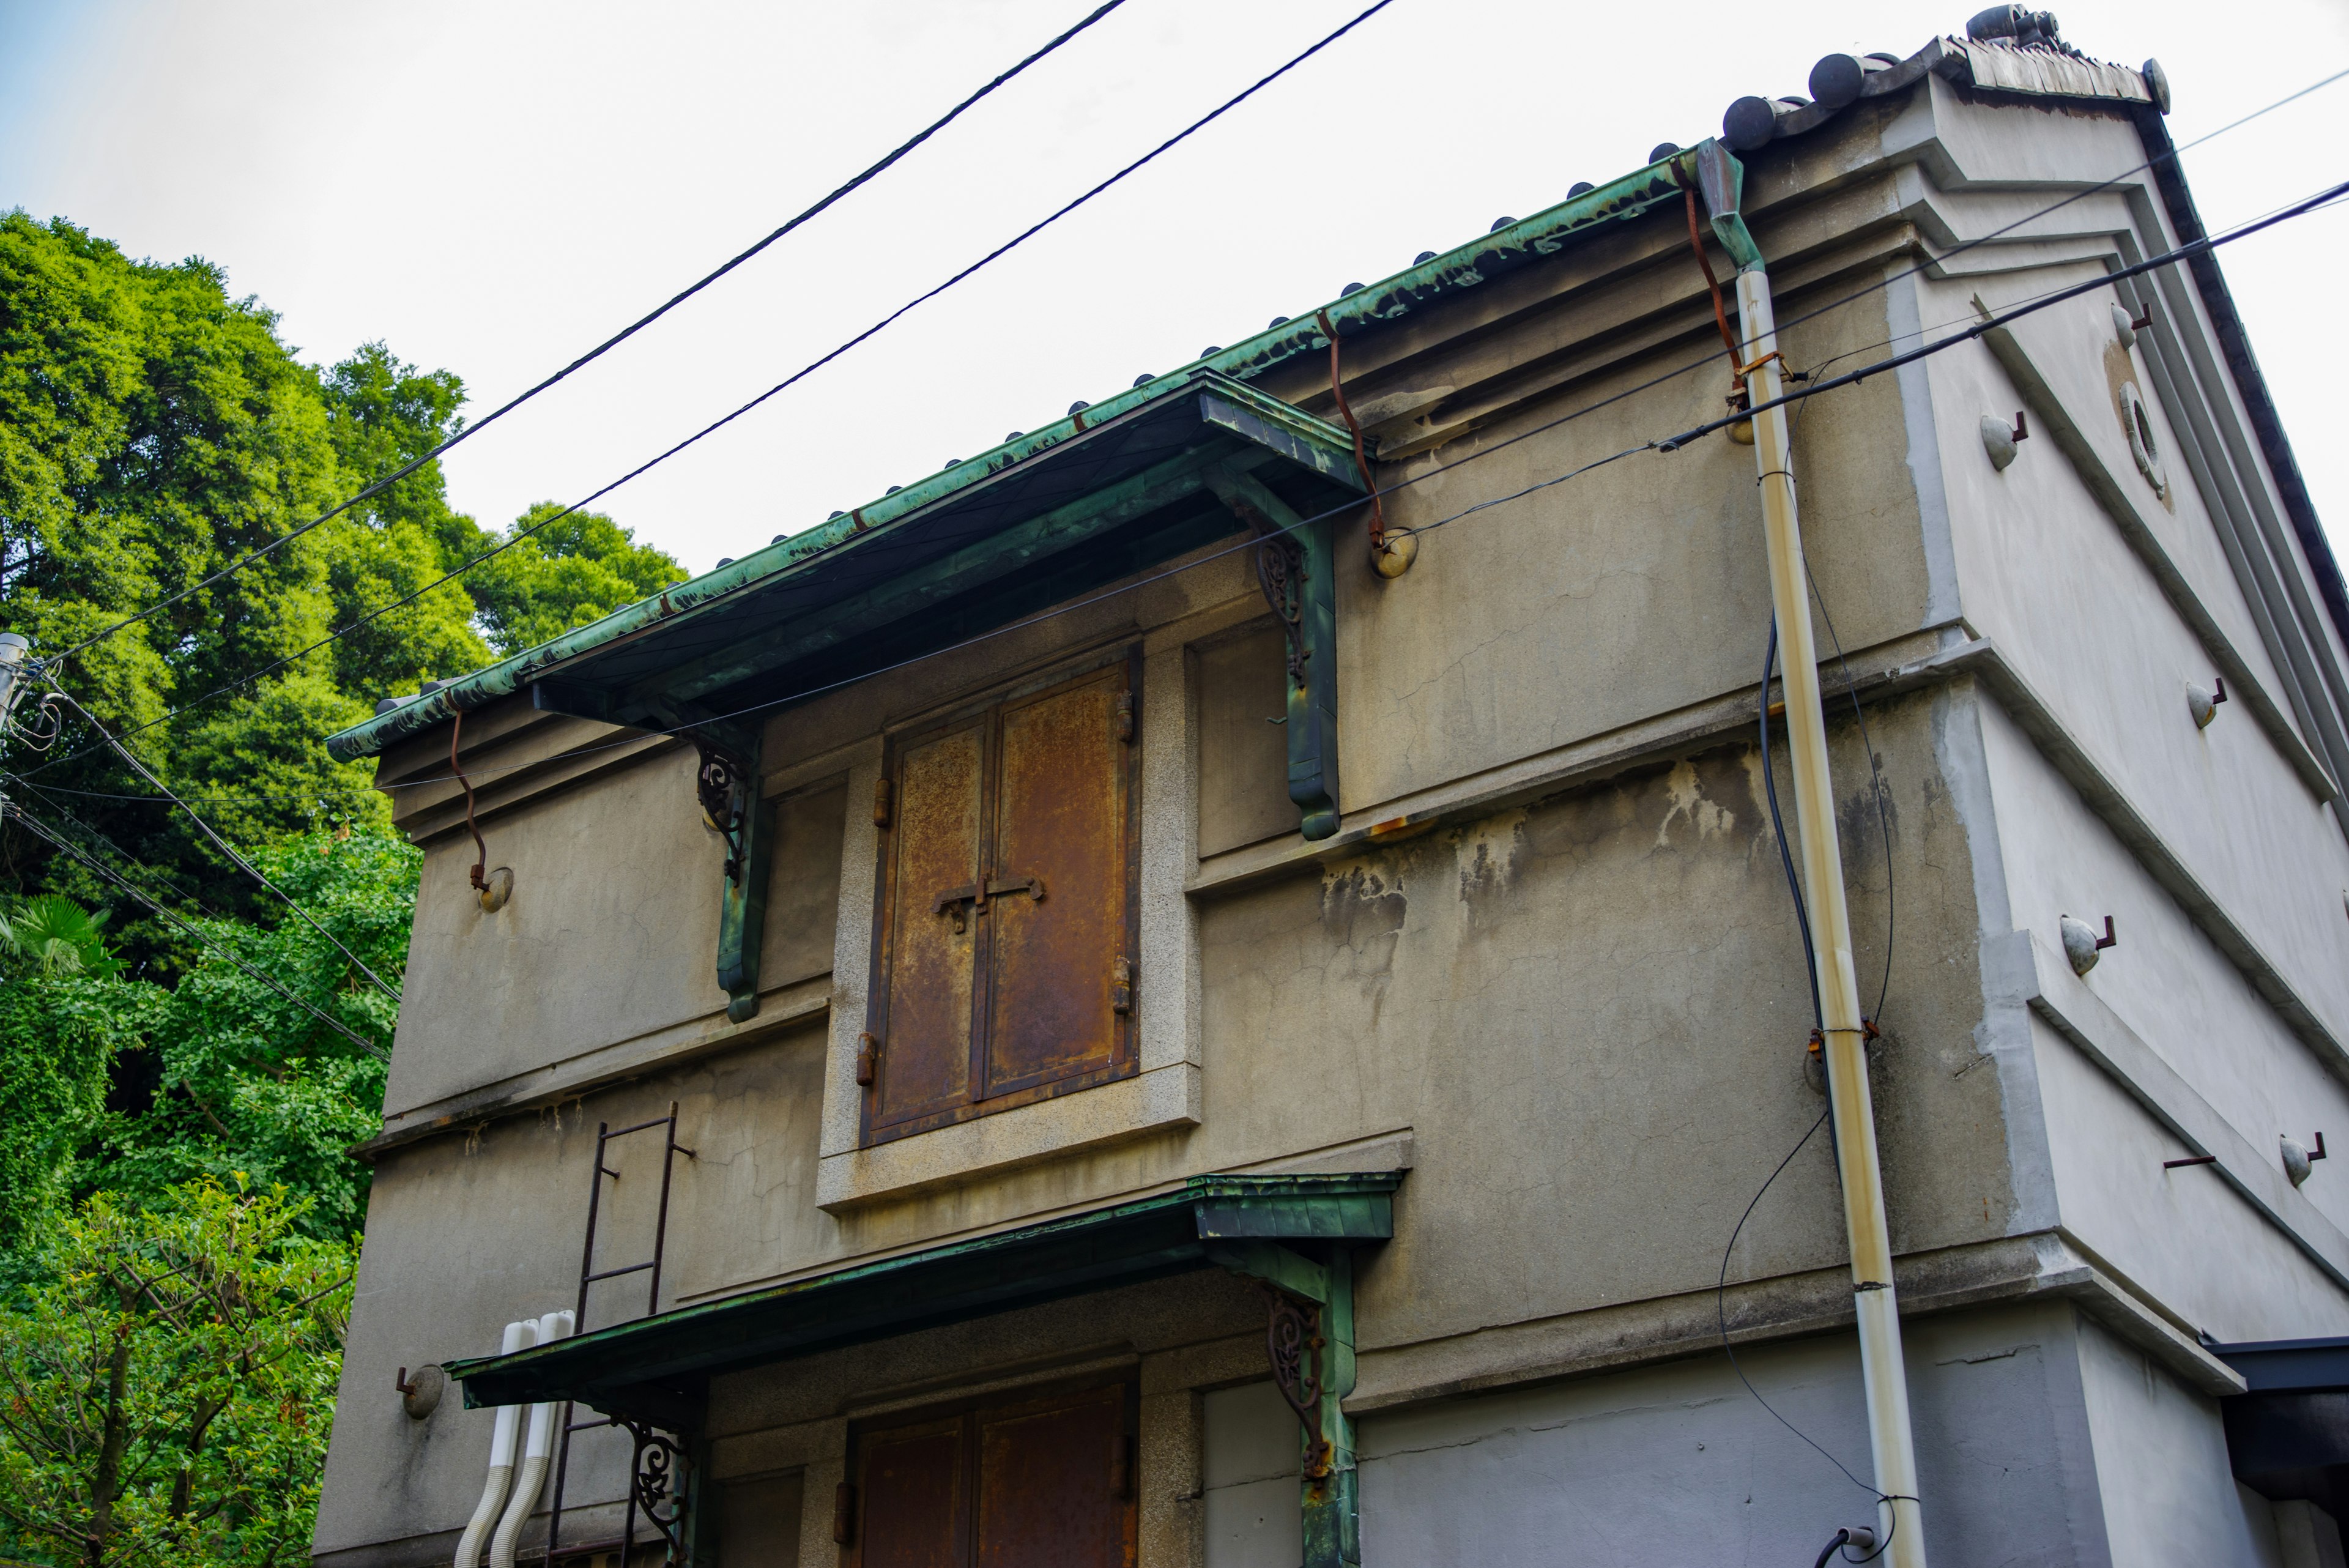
column 166, row 1387
column 178, row 1207
column 153, row 431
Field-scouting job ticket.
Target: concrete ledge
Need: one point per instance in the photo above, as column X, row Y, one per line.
column 2040, row 978
column 1150, row 1101
column 785, row 1008
column 1615, row 1338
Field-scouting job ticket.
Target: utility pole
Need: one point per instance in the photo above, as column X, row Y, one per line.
column 1882, row 1367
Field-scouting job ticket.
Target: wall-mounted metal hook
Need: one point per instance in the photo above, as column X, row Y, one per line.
column 2081, row 944
column 2022, row 431
column 2297, row 1160
column 2144, row 321
column 420, row 1395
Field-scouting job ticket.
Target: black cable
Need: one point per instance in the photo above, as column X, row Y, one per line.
column 716, row 425
column 247, row 867
column 107, row 872
column 1720, row 1305
column 467, row 432
column 1778, row 827
column 2187, row 252
column 1674, row 443
column 1876, row 780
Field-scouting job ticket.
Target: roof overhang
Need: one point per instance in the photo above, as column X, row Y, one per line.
column 656, row 1369
column 1225, row 372
column 1101, row 497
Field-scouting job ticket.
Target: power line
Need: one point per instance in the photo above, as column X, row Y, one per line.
column 247, row 867
column 467, row 432
column 2167, row 258
column 42, row 830
column 795, row 377
column 2036, row 303
column 2212, row 241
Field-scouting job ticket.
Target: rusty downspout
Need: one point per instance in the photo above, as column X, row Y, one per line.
column 1390, row 556
column 1742, row 434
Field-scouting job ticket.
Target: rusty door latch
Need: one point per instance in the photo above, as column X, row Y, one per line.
column 972, row 897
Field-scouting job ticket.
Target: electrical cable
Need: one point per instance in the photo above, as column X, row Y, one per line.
column 518, row 536
column 2187, row 252
column 41, row 830
column 1778, row 827
column 466, row 432
column 247, row 867
column 1674, row 443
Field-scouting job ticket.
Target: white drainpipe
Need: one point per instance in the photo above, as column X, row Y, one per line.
column 537, row 1450
column 1900, row 1524
column 518, row 1336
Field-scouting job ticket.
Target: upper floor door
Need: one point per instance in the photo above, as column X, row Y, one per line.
column 1006, row 923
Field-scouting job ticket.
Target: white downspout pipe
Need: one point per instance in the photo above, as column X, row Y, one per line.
column 537, row 1449
column 518, row 1336
column 1883, row 1368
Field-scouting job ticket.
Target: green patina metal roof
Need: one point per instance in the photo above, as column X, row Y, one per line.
column 1317, row 447
column 654, row 1368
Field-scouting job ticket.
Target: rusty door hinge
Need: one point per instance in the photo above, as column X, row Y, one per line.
column 881, row 802
column 844, row 1512
column 1120, row 985
column 1125, row 716
column 868, row 1060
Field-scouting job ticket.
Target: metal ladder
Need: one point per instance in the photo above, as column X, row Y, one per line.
column 588, row 1275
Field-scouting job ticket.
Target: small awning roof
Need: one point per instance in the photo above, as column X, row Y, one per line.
column 1100, row 496
column 655, row 1368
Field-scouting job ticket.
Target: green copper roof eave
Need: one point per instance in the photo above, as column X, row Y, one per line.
column 1466, row 266
column 1142, row 1238
column 1313, row 442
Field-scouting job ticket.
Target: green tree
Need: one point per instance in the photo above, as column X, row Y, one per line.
column 575, row 569
column 152, row 430
column 167, row 1388
column 63, row 1021
column 234, row 1076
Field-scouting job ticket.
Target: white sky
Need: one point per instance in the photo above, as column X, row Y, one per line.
column 492, row 188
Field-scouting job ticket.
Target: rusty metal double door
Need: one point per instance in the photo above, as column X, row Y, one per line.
column 1006, row 920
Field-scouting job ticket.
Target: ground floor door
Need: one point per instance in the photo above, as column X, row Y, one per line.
column 1040, row 1481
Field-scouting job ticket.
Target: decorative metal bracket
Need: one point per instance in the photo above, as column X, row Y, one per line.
column 1310, row 1341
column 727, row 784
column 1293, row 1343
column 719, row 784
column 659, row 1477
column 1296, row 566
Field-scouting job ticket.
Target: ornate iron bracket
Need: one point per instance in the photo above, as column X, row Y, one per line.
column 1296, row 569
column 1280, row 574
column 720, row 783
column 658, row 1476
column 727, row 786
column 1293, row 1343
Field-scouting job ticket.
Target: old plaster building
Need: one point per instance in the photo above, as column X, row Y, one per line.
column 1076, row 1019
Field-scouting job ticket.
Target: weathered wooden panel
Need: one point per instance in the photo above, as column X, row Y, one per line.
column 1054, row 1484
column 930, row 948
column 1060, row 821
column 912, row 1508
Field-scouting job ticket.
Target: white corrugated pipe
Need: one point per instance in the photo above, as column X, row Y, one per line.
column 518, row 1336
column 537, row 1449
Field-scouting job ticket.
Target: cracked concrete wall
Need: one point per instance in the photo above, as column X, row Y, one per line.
column 468, row 1233
column 1581, row 1011
column 612, row 932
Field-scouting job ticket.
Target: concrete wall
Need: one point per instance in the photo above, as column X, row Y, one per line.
column 1570, row 995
